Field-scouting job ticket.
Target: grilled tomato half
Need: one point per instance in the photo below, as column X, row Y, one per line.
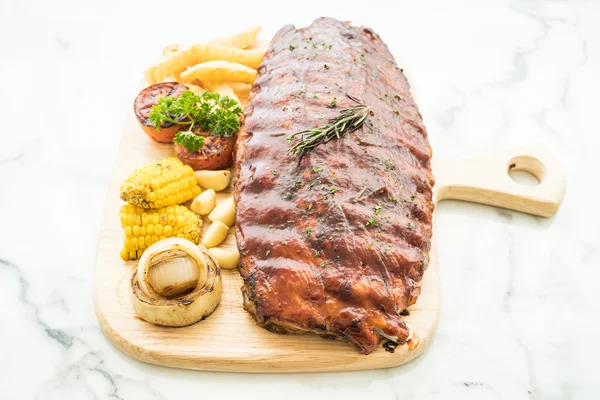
column 143, row 105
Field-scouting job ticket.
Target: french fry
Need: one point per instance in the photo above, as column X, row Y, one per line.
column 219, row 71
column 172, row 65
column 240, row 40
column 241, row 90
column 195, row 88
column 176, row 60
column 170, row 49
column 204, row 52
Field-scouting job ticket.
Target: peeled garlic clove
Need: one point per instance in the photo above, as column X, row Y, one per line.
column 224, row 212
column 215, row 180
column 215, row 234
column 204, row 203
column 227, row 259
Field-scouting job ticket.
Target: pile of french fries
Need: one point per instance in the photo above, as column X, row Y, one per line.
column 226, row 65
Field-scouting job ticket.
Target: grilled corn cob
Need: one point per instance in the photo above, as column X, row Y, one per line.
column 145, row 227
column 162, row 184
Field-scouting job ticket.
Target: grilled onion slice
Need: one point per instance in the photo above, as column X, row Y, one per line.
column 175, row 284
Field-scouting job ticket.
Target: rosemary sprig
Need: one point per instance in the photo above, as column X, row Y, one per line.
column 349, row 120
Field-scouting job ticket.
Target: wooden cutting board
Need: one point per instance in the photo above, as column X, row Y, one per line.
column 229, row 339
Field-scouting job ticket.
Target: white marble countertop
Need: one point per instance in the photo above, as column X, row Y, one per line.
column 520, row 302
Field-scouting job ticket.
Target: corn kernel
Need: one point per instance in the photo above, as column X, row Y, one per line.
column 171, row 220
column 138, row 237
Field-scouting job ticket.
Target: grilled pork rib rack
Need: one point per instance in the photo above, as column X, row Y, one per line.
column 337, row 243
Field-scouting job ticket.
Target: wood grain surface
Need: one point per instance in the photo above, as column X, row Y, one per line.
column 229, row 339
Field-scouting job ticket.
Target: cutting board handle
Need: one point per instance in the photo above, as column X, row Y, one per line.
column 485, row 180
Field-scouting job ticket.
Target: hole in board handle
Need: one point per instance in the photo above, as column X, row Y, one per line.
column 526, row 170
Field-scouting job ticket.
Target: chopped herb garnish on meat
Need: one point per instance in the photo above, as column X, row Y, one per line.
column 310, row 206
column 311, row 185
column 413, row 197
column 292, row 48
column 297, row 183
column 393, row 199
column 377, row 210
column 274, row 172
column 396, row 112
column 317, row 169
column 372, row 222
column 317, row 253
column 267, row 253
column 398, row 97
column 323, row 263
column 409, row 226
column 314, row 96
column 287, row 196
column 362, row 57
column 333, row 103
column 390, row 165
column 326, row 66
column 333, row 190
column 284, row 108
column 314, row 45
column 308, row 230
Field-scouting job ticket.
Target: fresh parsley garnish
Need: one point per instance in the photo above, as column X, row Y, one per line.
column 208, row 112
column 189, row 140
